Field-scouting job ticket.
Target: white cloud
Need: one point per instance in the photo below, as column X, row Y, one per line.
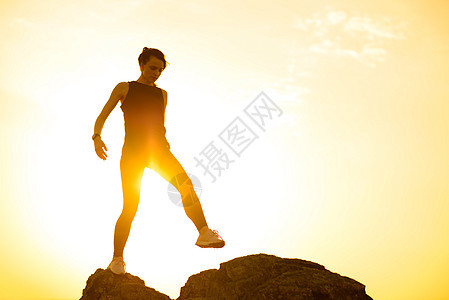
column 301, row 24
column 380, row 27
column 318, row 49
column 373, row 51
column 346, row 52
column 336, row 17
column 364, row 38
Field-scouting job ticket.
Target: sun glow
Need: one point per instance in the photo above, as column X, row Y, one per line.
column 352, row 175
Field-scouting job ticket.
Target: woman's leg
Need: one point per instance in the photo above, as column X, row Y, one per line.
column 169, row 168
column 131, row 174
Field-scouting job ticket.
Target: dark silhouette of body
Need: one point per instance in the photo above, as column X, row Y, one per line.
column 143, row 105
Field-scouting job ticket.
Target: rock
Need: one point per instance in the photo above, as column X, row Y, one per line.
column 263, row 276
column 252, row 277
column 105, row 285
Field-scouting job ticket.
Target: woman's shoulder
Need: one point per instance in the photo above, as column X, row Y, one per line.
column 123, row 84
column 122, row 89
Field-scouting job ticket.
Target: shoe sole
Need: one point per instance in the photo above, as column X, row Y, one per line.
column 116, row 273
column 211, row 245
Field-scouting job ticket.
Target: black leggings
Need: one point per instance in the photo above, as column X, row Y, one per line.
column 163, row 162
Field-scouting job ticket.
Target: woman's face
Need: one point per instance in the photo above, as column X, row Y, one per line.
column 152, row 69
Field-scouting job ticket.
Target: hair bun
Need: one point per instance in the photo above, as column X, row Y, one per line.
column 148, row 52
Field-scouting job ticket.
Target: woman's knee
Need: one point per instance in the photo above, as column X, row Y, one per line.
column 184, row 186
column 188, row 193
column 181, row 180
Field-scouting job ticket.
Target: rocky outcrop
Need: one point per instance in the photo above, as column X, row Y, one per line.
column 252, row 277
column 105, row 285
column 266, row 277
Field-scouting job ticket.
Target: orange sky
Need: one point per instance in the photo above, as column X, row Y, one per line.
column 353, row 174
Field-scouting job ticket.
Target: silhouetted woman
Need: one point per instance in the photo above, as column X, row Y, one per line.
column 143, row 105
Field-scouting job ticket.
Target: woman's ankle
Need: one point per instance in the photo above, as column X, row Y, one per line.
column 203, row 229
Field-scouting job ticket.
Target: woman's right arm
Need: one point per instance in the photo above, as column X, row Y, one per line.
column 118, row 93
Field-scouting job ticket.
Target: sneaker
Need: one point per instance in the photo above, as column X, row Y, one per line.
column 117, row 265
column 210, row 239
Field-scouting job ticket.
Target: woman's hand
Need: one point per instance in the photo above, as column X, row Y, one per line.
column 100, row 148
column 119, row 92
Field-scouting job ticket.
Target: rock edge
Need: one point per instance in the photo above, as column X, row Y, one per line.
column 256, row 276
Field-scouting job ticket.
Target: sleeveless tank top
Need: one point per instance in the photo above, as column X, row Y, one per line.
column 143, row 112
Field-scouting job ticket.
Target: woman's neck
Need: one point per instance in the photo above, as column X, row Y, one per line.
column 144, row 81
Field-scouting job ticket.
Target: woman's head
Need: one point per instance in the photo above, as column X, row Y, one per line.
column 152, row 62
column 144, row 57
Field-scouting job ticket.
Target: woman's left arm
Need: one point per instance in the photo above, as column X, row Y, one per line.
column 164, row 93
